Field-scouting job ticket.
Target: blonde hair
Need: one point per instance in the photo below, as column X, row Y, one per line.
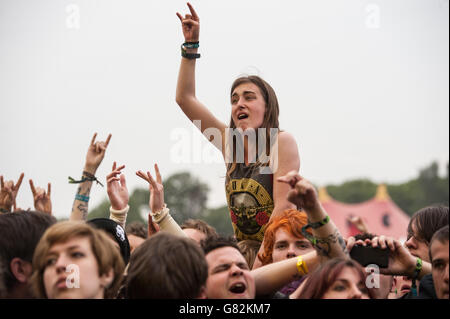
column 106, row 254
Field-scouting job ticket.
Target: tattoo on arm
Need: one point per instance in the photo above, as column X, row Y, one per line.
column 83, row 208
column 323, row 245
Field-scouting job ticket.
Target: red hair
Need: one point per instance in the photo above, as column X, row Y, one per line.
column 291, row 221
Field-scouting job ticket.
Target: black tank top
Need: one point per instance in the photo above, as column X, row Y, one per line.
column 250, row 201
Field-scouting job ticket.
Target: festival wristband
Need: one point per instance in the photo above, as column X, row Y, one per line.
column 301, row 266
column 82, row 198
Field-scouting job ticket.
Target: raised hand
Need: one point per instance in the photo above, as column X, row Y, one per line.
column 156, row 202
column 302, row 193
column 95, row 154
column 190, row 24
column 401, row 262
column 8, row 193
column 359, row 223
column 117, row 188
column 42, row 201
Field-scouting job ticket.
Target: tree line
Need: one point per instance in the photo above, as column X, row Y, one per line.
column 186, row 196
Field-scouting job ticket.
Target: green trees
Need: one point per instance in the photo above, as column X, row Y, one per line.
column 427, row 189
column 186, row 196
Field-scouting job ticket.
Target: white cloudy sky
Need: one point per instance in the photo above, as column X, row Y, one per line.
column 362, row 85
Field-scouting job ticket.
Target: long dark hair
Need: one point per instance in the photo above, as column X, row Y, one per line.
column 271, row 113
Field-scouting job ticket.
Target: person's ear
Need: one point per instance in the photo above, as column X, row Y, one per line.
column 107, row 278
column 394, row 284
column 21, row 270
column 202, row 294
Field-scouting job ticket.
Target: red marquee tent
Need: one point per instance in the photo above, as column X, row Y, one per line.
column 381, row 215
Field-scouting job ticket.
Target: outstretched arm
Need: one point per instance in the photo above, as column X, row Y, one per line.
column 271, row 277
column 185, row 95
column 94, row 157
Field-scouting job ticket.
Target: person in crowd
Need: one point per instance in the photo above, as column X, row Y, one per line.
column 421, row 228
column 75, row 255
column 336, row 279
column 283, row 239
column 439, row 252
column 116, row 234
column 94, row 157
column 253, row 196
column 19, row 234
column 137, row 233
column 325, row 237
column 198, row 229
column 167, row 266
column 8, row 194
column 249, row 249
column 229, row 275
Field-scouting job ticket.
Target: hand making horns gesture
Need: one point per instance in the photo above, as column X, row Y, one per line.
column 42, row 201
column 8, row 193
column 190, row 24
column 95, row 154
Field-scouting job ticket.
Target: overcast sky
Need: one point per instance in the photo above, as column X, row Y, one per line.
column 362, row 85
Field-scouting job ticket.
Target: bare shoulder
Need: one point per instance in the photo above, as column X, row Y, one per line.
column 289, row 158
column 287, row 141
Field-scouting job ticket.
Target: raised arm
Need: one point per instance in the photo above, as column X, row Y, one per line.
column 8, row 194
column 326, row 239
column 185, row 95
column 159, row 211
column 116, row 188
column 94, row 157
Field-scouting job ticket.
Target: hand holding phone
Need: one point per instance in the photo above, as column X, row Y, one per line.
column 367, row 255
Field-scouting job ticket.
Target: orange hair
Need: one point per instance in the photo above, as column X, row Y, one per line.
column 291, row 221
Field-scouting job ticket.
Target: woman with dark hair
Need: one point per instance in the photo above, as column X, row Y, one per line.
column 336, row 279
column 253, row 195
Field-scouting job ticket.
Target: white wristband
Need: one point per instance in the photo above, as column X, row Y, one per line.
column 158, row 216
column 119, row 216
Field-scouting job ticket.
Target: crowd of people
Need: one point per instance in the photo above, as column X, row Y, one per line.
column 285, row 246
